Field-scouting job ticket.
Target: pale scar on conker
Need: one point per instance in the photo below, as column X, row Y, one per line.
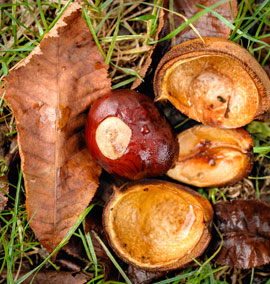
column 158, row 225
column 128, row 137
column 212, row 156
column 113, row 137
column 215, row 81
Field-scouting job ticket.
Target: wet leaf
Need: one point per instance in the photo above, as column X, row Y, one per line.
column 245, row 226
column 50, row 94
column 207, row 25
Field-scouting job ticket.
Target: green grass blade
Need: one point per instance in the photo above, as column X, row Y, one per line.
column 213, row 271
column 106, row 4
column 96, row 278
column 40, row 29
column 257, row 11
column 231, row 26
column 176, row 278
column 252, row 275
column 19, row 24
column 92, row 251
column 191, row 20
column 63, row 242
column 266, row 58
column 14, row 27
column 42, row 15
column 261, row 149
column 90, row 5
column 128, row 71
column 259, row 178
column 112, row 45
column 113, row 260
column 143, row 18
column 104, row 19
column 89, row 23
column 154, row 23
column 240, row 18
column 4, row 69
column 16, row 49
column 123, row 83
column 14, row 220
column 212, row 278
column 85, row 246
column 121, row 38
column 56, row 19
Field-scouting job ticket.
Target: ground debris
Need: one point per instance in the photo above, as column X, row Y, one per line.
column 54, row 277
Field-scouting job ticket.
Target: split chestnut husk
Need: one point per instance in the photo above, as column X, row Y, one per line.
column 157, row 225
column 128, row 137
column 213, row 156
column 216, row 82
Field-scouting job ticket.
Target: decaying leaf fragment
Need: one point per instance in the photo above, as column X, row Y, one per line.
column 50, row 93
column 61, row 277
column 140, row 276
column 245, row 227
column 4, row 189
column 207, row 25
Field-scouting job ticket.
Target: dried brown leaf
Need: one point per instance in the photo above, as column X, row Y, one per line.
column 207, row 25
column 245, row 227
column 50, row 93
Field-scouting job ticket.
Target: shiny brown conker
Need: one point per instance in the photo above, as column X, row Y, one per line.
column 128, row 137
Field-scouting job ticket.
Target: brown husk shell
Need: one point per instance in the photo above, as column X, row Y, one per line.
column 221, row 47
column 196, row 251
column 212, row 156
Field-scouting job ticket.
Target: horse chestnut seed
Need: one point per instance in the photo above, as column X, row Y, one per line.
column 128, row 137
